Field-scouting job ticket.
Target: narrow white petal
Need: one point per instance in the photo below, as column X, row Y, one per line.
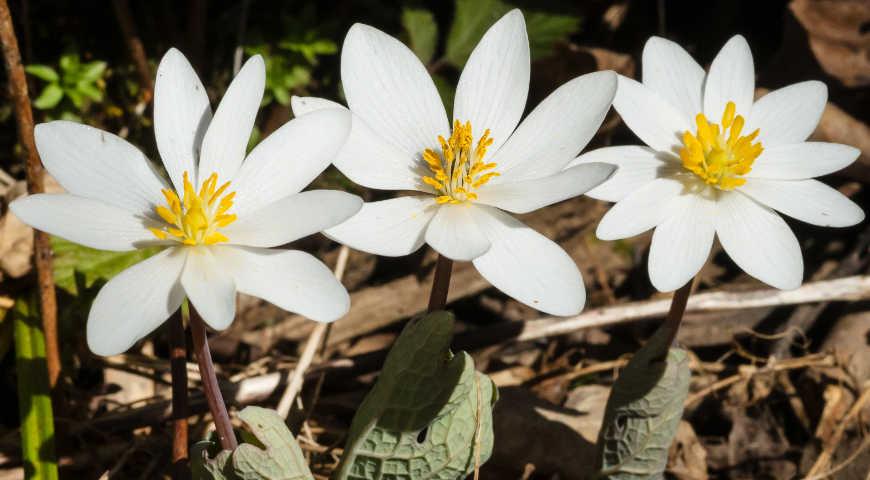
column 292, row 217
column 809, row 201
column 799, row 161
column 456, row 232
column 557, row 129
column 289, row 159
column 731, row 79
column 650, row 116
column 84, row 221
column 681, row 244
column 670, row 71
column 788, row 115
column 366, row 158
column 290, row 279
column 209, row 286
column 494, row 84
column 181, row 116
column 135, row 302
column 391, row 228
column 226, row 140
column 636, row 166
column 304, row 105
column 641, row 210
column 94, row 164
column 759, row 241
column 529, row 195
column 387, row 86
column 531, row 268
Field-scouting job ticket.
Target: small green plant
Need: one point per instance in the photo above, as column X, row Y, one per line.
column 289, row 66
column 80, row 82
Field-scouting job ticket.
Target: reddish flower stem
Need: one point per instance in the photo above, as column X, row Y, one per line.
column 440, row 284
column 210, row 386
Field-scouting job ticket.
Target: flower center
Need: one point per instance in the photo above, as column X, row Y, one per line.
column 197, row 218
column 720, row 156
column 459, row 169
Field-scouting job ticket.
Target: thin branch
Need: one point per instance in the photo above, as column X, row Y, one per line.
column 178, row 365
column 134, row 45
column 317, row 338
column 41, row 243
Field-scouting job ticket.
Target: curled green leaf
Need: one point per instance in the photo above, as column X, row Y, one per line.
column 429, row 416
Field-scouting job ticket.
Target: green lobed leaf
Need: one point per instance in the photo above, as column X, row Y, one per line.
column 472, row 18
column 34, row 399
column 50, row 96
column 422, row 31
column 269, row 453
column 428, row 414
column 94, row 265
column 92, row 71
column 42, row 72
column 643, row 412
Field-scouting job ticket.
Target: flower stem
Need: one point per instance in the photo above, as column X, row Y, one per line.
column 678, row 308
column 210, row 384
column 440, row 284
column 178, row 365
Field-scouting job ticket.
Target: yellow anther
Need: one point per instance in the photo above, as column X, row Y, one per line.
column 195, row 218
column 460, row 167
column 720, row 157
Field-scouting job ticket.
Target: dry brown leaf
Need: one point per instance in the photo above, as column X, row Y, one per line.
column 837, row 36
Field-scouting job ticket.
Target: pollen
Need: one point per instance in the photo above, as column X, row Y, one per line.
column 196, row 218
column 720, row 155
column 459, row 169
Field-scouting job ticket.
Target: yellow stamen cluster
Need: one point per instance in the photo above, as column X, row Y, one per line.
column 460, row 168
column 195, row 220
column 720, row 158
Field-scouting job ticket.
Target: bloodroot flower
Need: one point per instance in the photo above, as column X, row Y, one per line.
column 218, row 221
column 469, row 172
column 718, row 163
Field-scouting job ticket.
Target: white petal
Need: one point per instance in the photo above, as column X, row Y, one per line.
column 494, row 84
column 226, row 139
column 292, row 218
column 84, row 221
column 650, row 116
column 304, row 105
column 788, row 115
column 672, row 73
column 292, row 280
column 681, row 244
column 731, row 79
column 390, row 228
column 181, row 116
column 135, row 302
column 289, row 159
column 387, row 86
column 557, row 129
column 94, row 164
column 209, row 286
column 636, row 166
column 456, row 233
column 366, row 158
column 759, row 241
column 529, row 195
column 641, row 210
column 799, row 161
column 531, row 268
column 810, row 201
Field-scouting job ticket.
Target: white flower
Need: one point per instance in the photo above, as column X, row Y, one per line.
column 401, row 140
column 719, row 164
column 218, row 235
